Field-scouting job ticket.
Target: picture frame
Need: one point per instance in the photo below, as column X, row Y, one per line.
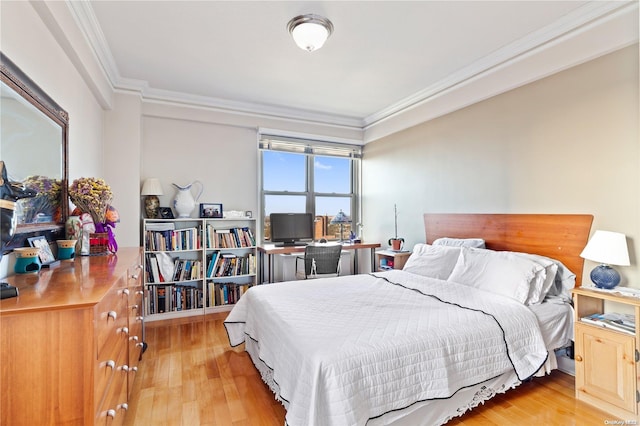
column 210, row 210
column 165, row 213
column 44, row 254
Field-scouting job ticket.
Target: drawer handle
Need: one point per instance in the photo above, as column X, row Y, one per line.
column 125, row 368
column 135, row 276
column 111, row 364
column 134, row 307
column 139, row 292
column 139, row 345
column 578, row 358
column 133, row 369
column 112, row 314
column 125, row 330
column 111, row 413
column 139, row 318
column 125, row 291
column 133, row 338
column 124, row 406
column 139, row 266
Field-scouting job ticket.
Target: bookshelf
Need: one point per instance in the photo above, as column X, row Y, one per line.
column 197, row 266
column 230, row 253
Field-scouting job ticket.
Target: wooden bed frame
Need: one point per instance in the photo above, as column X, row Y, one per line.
column 559, row 236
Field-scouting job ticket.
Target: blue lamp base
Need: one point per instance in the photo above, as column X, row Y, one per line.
column 604, row 276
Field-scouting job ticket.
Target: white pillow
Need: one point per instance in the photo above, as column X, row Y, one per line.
column 543, row 280
column 432, row 261
column 460, row 242
column 564, row 282
column 498, row 272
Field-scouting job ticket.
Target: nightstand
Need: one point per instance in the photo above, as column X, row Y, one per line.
column 606, row 359
column 389, row 259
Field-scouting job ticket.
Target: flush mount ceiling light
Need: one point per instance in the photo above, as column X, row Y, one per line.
column 310, row 31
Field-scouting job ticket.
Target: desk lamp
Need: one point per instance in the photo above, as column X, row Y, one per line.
column 607, row 248
column 340, row 219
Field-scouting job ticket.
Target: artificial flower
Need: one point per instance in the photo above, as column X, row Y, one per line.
column 91, row 195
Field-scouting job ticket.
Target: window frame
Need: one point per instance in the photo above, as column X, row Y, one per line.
column 311, row 149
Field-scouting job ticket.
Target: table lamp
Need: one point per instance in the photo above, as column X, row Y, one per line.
column 607, row 248
column 151, row 189
column 340, row 219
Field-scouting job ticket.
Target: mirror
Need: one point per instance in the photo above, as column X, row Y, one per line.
column 33, row 146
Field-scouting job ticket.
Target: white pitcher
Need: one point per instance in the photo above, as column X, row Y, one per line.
column 184, row 203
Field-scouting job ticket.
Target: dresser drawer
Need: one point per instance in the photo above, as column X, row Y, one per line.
column 109, row 358
column 135, row 312
column 114, row 405
column 110, row 316
column 135, row 322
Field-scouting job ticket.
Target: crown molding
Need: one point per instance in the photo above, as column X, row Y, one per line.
column 247, row 108
column 88, row 23
column 603, row 30
column 573, row 24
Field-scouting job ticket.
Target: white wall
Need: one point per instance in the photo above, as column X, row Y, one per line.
column 566, row 144
column 223, row 158
column 122, row 164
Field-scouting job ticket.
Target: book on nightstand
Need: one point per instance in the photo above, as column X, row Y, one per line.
column 620, row 322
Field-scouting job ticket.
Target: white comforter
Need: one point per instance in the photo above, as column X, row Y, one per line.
column 347, row 349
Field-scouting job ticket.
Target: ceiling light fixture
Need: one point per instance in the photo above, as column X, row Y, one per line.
column 310, row 31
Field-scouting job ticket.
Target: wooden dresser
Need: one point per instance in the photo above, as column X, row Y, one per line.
column 70, row 343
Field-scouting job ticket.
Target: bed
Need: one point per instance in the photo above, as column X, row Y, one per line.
column 421, row 345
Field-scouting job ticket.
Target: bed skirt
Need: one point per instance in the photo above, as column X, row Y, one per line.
column 423, row 413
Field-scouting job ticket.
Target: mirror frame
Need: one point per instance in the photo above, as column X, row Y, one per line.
column 17, row 80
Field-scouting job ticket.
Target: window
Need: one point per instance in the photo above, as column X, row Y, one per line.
column 303, row 176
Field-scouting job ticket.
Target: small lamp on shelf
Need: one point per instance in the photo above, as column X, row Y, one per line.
column 607, row 248
column 151, row 189
column 340, row 219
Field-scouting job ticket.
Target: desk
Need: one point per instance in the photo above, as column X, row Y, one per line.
column 271, row 249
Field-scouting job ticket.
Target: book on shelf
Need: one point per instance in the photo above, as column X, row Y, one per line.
column 186, row 270
column 230, row 264
column 160, row 298
column 615, row 321
column 171, row 297
column 240, row 237
column 154, row 275
column 160, row 226
column 172, row 240
column 226, row 293
column 212, row 260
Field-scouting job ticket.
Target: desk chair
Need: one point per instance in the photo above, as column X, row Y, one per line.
column 319, row 259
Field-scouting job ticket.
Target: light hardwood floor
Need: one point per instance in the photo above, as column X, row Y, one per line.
column 190, row 376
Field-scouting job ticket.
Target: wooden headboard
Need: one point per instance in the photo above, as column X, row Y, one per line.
column 559, row 236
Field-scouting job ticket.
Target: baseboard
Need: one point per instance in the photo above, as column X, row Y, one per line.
column 565, row 364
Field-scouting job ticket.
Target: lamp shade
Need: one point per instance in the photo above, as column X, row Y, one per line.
column 310, row 31
column 152, row 186
column 607, row 247
column 340, row 218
